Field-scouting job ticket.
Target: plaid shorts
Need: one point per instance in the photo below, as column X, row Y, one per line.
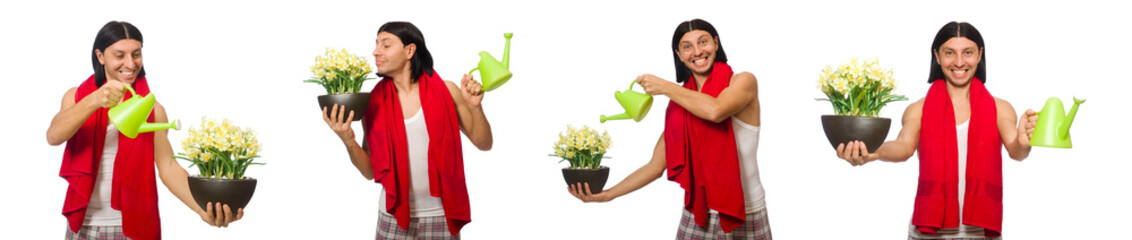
column 422, row 228
column 97, row 232
column 913, row 234
column 916, row 238
column 756, row 227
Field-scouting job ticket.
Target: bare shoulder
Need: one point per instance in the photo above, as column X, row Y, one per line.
column 744, row 77
column 451, row 86
column 1002, row 104
column 159, row 112
column 1004, row 108
column 68, row 98
column 453, row 89
column 70, row 95
column 745, row 80
column 914, row 110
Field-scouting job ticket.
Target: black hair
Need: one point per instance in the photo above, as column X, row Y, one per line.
column 421, row 62
column 111, row 33
column 682, row 71
column 954, row 30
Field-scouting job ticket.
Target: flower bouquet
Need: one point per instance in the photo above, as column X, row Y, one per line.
column 584, row 148
column 222, row 152
column 857, row 90
column 342, row 75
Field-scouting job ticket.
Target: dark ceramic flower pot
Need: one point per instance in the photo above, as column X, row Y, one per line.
column 234, row 192
column 595, row 177
column 843, row 129
column 357, row 102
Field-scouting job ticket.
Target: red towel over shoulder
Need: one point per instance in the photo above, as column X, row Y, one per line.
column 134, row 186
column 937, row 202
column 389, row 150
column 702, row 157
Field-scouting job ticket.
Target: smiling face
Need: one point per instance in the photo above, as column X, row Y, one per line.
column 697, row 50
column 958, row 58
column 390, row 55
column 122, row 61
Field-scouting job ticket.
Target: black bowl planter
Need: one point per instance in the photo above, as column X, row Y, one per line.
column 358, row 102
column 234, row 192
column 843, row 129
column 595, row 177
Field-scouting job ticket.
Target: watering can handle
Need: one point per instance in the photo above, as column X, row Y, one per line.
column 631, row 85
column 131, row 90
column 472, row 71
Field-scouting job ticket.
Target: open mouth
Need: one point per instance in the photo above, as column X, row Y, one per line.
column 699, row 62
column 959, row 73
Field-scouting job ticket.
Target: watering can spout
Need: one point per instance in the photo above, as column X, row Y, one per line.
column 150, row 127
column 507, row 51
column 1063, row 130
column 615, row 117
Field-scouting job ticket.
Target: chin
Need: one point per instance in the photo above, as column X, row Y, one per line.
column 959, row 82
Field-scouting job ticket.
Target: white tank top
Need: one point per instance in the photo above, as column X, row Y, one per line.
column 99, row 212
column 964, row 230
column 421, row 204
column 747, row 143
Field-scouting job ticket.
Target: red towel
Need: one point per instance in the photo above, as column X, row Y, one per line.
column 389, row 150
column 937, row 203
column 134, row 183
column 702, row 157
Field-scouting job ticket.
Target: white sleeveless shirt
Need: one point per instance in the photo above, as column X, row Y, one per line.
column 421, row 204
column 747, row 142
column 99, row 212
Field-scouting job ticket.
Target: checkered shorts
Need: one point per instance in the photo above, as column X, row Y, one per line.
column 97, row 232
column 422, row 228
column 756, row 227
column 916, row 238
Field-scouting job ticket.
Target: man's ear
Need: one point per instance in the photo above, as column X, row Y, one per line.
column 99, row 54
column 410, row 50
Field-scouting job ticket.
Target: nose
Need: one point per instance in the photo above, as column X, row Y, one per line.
column 376, row 52
column 961, row 61
column 130, row 62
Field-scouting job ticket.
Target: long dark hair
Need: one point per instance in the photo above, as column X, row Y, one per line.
column 421, row 63
column 111, row 33
column 954, row 30
column 682, row 72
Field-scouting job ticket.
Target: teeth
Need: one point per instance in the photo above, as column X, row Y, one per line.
column 699, row 61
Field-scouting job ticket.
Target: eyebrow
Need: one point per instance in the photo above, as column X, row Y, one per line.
column 699, row 38
column 122, row 51
column 953, row 49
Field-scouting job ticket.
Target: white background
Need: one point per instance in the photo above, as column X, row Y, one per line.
column 245, row 62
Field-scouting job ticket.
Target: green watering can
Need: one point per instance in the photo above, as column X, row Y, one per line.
column 130, row 115
column 636, row 105
column 495, row 73
column 1052, row 129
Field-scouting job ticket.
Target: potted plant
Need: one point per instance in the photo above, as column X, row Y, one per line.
column 583, row 148
column 857, row 90
column 222, row 152
column 342, row 74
